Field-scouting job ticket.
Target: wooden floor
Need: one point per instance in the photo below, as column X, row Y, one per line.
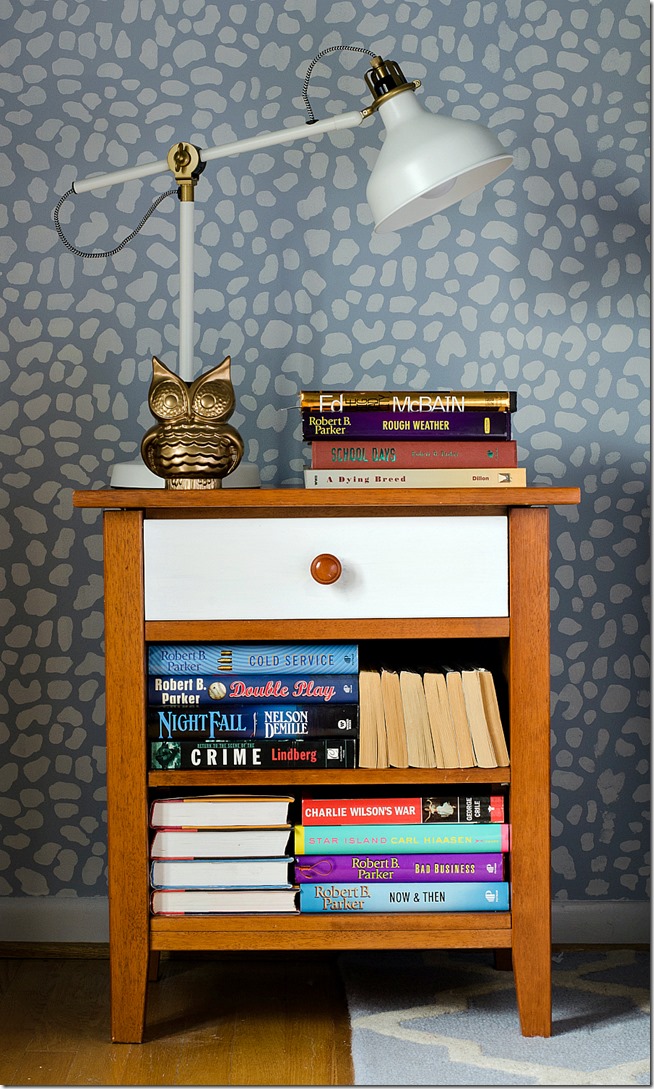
column 221, row 1019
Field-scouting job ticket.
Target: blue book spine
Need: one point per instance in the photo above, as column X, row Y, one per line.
column 401, row 839
column 326, row 897
column 213, row 691
column 208, row 658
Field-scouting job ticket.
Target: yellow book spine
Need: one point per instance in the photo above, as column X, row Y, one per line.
column 298, row 839
column 409, row 401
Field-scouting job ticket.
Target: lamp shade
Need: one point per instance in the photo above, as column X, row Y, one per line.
column 427, row 163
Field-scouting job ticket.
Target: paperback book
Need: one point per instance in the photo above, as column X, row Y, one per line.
column 435, row 809
column 214, row 873
column 421, row 896
column 415, row 478
column 324, row 400
column 210, row 690
column 401, row 839
column 251, row 721
column 396, row 868
column 208, row 755
column 213, row 901
column 220, row 810
column 414, row 455
column 387, row 424
column 212, row 658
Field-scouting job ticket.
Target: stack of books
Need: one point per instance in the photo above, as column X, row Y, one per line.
column 262, row 705
column 221, row 853
column 402, row 854
column 445, row 718
column 404, row 439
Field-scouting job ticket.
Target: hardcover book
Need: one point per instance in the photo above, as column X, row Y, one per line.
column 386, row 424
column 414, row 455
column 212, row 901
column 221, row 842
column 269, row 722
column 210, row 658
column 324, row 400
column 211, row 691
column 421, row 896
column 435, row 809
column 415, row 478
column 196, row 755
column 390, row 868
column 401, row 839
column 220, row 810
column 213, row 873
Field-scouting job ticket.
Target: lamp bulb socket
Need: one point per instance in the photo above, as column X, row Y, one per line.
column 386, row 78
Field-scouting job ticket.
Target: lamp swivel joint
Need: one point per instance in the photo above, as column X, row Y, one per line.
column 185, row 162
column 385, row 79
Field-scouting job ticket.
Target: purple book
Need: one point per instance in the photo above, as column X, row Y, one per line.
column 386, row 424
column 399, row 868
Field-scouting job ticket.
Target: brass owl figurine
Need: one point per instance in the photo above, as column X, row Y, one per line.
column 191, row 446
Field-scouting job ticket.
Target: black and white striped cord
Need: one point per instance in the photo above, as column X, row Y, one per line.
column 121, row 245
column 323, row 53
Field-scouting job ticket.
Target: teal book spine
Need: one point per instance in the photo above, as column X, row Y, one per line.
column 401, row 839
column 186, row 659
column 328, row 897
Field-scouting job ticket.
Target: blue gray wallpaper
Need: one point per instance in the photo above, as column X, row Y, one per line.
column 538, row 284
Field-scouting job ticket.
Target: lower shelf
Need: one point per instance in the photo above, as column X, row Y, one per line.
column 330, row 777
column 404, row 930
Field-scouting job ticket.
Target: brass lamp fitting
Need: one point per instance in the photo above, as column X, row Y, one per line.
column 384, row 80
column 185, row 162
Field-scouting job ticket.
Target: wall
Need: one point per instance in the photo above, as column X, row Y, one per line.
column 538, row 284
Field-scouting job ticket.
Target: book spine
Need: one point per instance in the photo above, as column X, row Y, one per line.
column 386, row 424
column 204, row 659
column 415, row 478
column 322, row 400
column 389, row 868
column 401, row 839
column 188, row 755
column 428, row 896
column 212, row 691
column 254, row 721
column 415, row 455
column 450, row 808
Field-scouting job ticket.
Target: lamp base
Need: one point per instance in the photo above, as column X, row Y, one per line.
column 135, row 474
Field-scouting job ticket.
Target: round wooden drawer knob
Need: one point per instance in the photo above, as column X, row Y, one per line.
column 326, row 569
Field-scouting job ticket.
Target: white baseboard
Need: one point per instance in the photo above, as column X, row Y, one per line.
column 86, row 919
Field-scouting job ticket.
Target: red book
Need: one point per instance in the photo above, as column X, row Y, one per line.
column 414, row 455
column 444, row 809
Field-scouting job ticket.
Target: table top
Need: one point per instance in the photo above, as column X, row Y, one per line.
column 299, row 499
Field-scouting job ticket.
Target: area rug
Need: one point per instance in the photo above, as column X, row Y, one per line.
column 437, row 1018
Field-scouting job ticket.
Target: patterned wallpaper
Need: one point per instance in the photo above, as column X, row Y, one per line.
column 537, row 284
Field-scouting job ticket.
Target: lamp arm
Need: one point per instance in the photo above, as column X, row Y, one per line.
column 249, row 143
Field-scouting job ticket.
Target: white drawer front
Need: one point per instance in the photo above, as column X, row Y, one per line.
column 259, row 569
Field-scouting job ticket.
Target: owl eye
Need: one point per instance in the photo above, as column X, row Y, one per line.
column 213, row 400
column 168, row 401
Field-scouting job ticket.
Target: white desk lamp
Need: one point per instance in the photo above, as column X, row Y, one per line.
column 426, row 164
